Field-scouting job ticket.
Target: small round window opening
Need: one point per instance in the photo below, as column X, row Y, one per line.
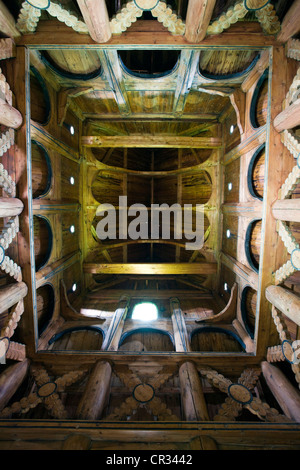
column 145, row 311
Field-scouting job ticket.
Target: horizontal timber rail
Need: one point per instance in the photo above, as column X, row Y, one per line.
column 150, row 268
column 150, row 141
column 223, row 362
column 149, row 294
column 142, row 34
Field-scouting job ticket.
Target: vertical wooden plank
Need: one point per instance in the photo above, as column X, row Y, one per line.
column 23, row 177
column 125, row 193
column 265, row 332
column 179, row 199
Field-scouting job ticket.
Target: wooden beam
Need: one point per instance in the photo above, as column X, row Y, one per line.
column 49, row 271
column 151, row 268
column 10, row 207
column 96, row 18
column 198, row 16
column 188, row 65
column 151, row 141
column 242, row 271
column 142, row 34
column 7, row 23
column 288, row 118
column 193, row 401
column 39, row 133
column 9, row 116
column 28, row 434
column 113, row 335
column 287, row 396
column 252, row 210
column 95, row 395
column 181, row 337
column 7, row 48
column 238, row 101
column 149, row 293
column 200, row 117
column 11, row 295
column 290, row 25
column 112, row 70
column 285, row 301
column 76, row 442
column 286, row 210
column 276, row 154
column 21, row 81
column 10, row 381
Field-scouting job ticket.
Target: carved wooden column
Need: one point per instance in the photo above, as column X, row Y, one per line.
column 10, row 381
column 113, row 335
column 193, row 402
column 96, row 392
column 287, row 396
column 192, row 397
column 287, row 302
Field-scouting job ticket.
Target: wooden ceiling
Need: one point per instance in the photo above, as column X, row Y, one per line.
column 151, row 118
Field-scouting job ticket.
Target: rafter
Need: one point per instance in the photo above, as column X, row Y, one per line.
column 291, row 23
column 96, row 18
column 198, row 17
